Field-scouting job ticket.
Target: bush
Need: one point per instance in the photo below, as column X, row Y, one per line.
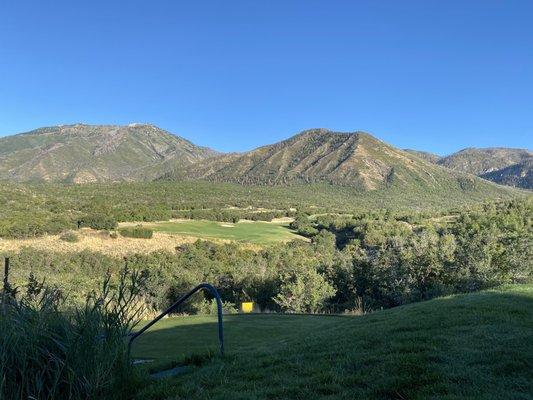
column 307, row 230
column 138, row 232
column 70, row 237
column 299, row 221
column 98, row 222
column 304, row 292
column 209, row 307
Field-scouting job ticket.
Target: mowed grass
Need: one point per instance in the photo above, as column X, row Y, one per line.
column 174, row 339
column 475, row 346
column 256, row 232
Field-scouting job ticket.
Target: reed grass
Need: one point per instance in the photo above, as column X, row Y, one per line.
column 49, row 352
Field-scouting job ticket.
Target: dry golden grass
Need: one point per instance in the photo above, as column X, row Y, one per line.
column 98, row 241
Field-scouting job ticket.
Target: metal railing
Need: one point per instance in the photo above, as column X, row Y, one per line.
column 205, row 286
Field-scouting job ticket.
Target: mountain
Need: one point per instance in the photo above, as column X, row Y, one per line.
column 481, row 161
column 518, row 175
column 83, row 153
column 95, row 153
column 356, row 160
column 501, row 165
column 424, row 155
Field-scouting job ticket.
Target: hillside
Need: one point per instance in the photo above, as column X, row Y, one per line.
column 425, row 155
column 518, row 175
column 457, row 347
column 505, row 166
column 138, row 152
column 95, row 153
column 481, row 161
column 511, row 167
column 356, row 160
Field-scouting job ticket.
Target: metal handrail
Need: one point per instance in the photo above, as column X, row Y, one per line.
column 206, row 286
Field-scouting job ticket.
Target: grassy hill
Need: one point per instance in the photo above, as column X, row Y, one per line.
column 460, row 347
column 95, row 153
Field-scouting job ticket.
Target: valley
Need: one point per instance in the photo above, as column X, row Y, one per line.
column 336, row 238
column 266, row 200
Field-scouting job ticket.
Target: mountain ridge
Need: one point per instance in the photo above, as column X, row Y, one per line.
column 517, row 175
column 503, row 165
column 354, row 159
column 477, row 161
column 82, row 153
column 494, row 164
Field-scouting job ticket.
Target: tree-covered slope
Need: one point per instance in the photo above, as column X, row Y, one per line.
column 505, row 166
column 425, row 155
column 356, row 160
column 518, row 175
column 481, row 161
column 95, row 153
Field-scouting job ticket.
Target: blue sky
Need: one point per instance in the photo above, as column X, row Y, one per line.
column 430, row 75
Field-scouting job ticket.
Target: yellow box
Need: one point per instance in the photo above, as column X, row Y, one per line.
column 247, row 307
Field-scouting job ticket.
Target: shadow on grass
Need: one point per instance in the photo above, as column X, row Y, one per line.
column 465, row 346
column 180, row 337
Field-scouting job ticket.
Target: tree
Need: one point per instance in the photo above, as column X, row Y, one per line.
column 299, row 221
column 98, row 222
column 304, row 292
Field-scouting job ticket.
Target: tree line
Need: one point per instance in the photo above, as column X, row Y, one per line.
column 28, row 210
column 355, row 263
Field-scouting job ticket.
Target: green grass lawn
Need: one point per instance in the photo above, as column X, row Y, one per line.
column 257, row 232
column 174, row 339
column 476, row 346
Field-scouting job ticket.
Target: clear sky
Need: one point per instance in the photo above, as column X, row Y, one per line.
column 431, row 75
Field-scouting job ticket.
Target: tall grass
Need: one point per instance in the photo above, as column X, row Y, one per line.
column 47, row 352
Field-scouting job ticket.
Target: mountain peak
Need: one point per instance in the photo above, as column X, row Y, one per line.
column 325, row 132
column 141, row 151
column 89, row 153
column 355, row 159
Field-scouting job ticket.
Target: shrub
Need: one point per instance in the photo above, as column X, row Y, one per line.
column 138, row 232
column 307, row 230
column 209, row 307
column 304, row 292
column 70, row 237
column 98, row 222
column 299, row 221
